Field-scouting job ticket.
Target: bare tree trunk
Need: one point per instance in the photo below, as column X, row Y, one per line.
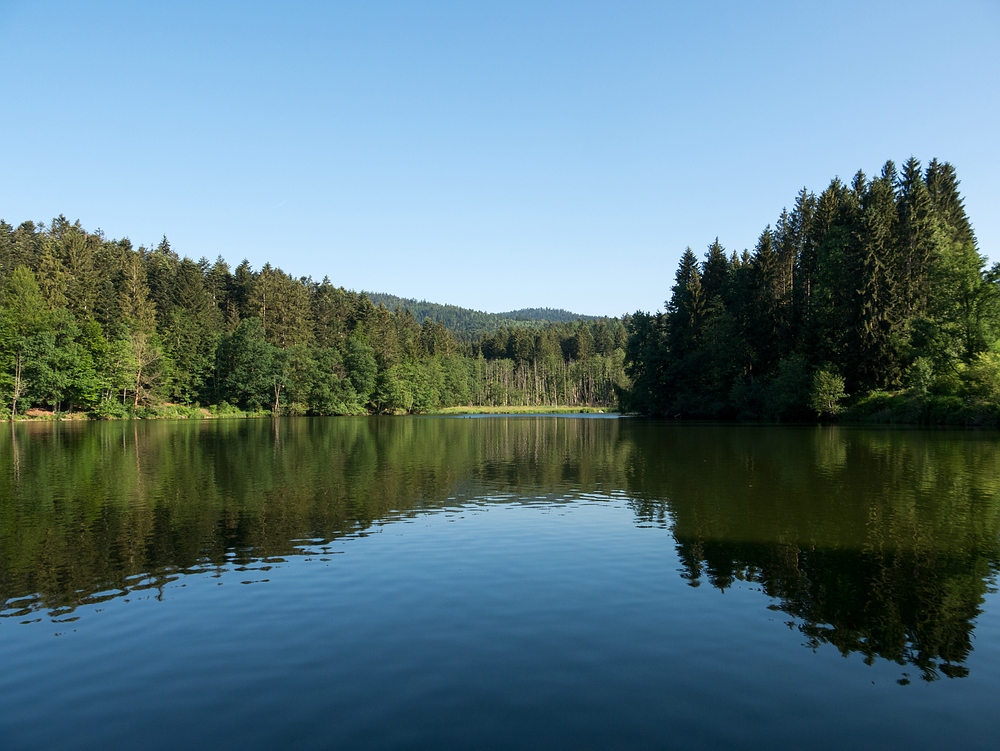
column 17, row 388
column 138, row 379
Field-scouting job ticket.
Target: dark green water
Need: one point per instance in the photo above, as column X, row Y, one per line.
column 496, row 583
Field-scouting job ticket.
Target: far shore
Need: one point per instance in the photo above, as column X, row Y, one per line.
column 521, row 411
column 177, row 412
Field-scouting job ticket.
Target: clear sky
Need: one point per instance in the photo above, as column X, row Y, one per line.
column 491, row 155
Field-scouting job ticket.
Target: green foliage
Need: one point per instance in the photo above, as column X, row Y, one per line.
column 225, row 409
column 169, row 412
column 879, row 281
column 934, row 409
column 646, row 357
column 246, row 366
column 330, row 392
column 119, row 331
column 470, row 325
column 393, row 391
column 111, row 409
column 792, row 389
column 920, row 376
column 827, row 393
column 981, row 379
column 361, row 367
column 25, row 333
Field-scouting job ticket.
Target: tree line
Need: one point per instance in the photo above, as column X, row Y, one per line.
column 95, row 325
column 469, row 325
column 871, row 295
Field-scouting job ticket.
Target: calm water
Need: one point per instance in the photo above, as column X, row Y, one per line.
column 496, row 583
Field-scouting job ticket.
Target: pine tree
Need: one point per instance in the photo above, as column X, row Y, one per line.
column 877, row 335
column 961, row 298
column 765, row 325
column 77, row 250
column 139, row 318
column 191, row 334
column 52, row 276
column 646, row 358
column 241, row 292
column 942, row 183
column 283, row 305
column 331, row 309
column 916, row 239
column 682, row 308
column 714, row 271
column 161, row 272
column 803, row 245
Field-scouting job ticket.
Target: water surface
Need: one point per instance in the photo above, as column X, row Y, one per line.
column 504, row 582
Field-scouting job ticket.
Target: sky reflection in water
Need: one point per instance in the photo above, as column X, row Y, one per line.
column 539, row 582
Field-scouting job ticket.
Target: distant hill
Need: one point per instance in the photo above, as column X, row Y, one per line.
column 469, row 324
column 548, row 315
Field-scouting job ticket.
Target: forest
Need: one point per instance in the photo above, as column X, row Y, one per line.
column 870, row 300
column 91, row 325
column 469, row 325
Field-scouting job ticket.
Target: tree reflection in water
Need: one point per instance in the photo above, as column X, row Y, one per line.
column 877, row 542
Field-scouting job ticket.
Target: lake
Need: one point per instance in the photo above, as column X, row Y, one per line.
column 497, row 582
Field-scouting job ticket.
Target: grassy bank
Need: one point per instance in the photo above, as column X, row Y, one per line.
column 519, row 411
column 182, row 412
column 879, row 408
column 902, row 408
column 157, row 412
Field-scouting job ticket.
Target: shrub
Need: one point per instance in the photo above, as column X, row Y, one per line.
column 111, row 409
column 827, row 393
column 920, row 376
column 789, row 389
column 981, row 379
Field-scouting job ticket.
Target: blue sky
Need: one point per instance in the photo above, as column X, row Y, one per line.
column 494, row 156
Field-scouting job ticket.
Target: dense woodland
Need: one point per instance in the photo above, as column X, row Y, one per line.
column 871, row 296
column 94, row 325
column 468, row 325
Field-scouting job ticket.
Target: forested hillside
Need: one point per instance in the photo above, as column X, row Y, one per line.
column 546, row 315
column 92, row 324
column 871, row 295
column 467, row 324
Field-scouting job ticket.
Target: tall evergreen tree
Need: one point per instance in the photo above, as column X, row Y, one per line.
column 916, row 241
column 764, row 320
column 714, row 271
column 139, row 318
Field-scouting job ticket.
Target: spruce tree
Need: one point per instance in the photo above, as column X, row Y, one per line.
column 916, row 241
column 714, row 271
column 877, row 336
column 680, row 306
column 764, row 324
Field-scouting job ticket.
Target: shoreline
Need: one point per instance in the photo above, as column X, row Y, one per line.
column 176, row 412
column 882, row 410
